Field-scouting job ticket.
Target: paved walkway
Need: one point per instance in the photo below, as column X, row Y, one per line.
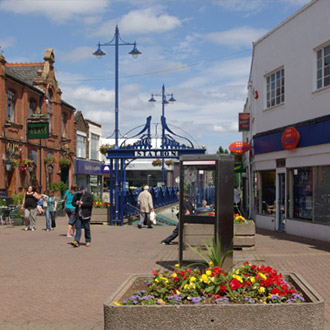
column 45, row 283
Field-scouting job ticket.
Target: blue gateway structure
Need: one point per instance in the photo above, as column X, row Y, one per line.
column 142, row 148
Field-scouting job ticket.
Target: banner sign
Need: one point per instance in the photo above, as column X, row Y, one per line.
column 239, row 147
column 38, row 130
column 243, row 121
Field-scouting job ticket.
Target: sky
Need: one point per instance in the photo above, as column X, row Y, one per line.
column 199, row 49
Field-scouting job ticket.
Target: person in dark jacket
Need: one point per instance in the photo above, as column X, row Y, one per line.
column 83, row 202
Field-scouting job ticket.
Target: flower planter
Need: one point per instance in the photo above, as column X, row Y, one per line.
column 100, row 215
column 244, row 235
column 9, row 167
column 308, row 315
column 18, row 221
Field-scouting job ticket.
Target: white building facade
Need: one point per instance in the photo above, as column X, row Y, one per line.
column 288, row 168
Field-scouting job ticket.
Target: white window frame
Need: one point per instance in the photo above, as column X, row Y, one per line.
column 323, row 66
column 81, row 145
column 275, row 88
column 95, row 152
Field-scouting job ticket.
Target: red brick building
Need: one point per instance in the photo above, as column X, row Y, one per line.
column 27, row 89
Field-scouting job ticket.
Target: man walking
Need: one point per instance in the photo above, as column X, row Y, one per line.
column 146, row 206
column 83, row 201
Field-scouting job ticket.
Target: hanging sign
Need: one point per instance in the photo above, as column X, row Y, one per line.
column 243, row 121
column 290, row 138
column 239, row 147
column 38, row 130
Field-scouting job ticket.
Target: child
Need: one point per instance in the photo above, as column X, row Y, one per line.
column 41, row 204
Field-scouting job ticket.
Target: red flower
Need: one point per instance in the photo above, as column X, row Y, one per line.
column 216, row 296
column 222, row 289
column 234, row 284
column 275, row 291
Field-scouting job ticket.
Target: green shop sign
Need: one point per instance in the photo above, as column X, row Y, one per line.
column 238, row 167
column 38, row 130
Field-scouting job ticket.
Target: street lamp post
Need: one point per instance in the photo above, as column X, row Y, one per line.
column 116, row 42
column 164, row 102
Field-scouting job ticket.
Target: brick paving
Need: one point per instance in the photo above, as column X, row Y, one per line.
column 45, row 283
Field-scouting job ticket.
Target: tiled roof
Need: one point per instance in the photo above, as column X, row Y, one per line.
column 26, row 74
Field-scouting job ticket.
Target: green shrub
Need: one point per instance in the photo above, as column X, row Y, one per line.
column 58, row 186
column 17, row 198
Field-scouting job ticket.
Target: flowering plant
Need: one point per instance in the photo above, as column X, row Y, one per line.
column 238, row 219
column 11, row 161
column 248, row 284
column 169, row 162
column 104, row 147
column 157, row 162
column 101, row 205
column 50, row 161
column 64, row 162
column 23, row 164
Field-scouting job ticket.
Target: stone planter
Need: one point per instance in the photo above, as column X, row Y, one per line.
column 304, row 316
column 244, row 236
column 100, row 215
column 18, row 221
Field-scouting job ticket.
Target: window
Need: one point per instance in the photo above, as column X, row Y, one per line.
column 321, row 194
column 95, row 146
column 275, row 88
column 32, row 107
column 81, row 146
column 265, row 192
column 323, row 67
column 49, row 108
column 64, row 121
column 11, row 105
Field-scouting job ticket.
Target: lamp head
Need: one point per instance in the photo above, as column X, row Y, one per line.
column 152, row 99
column 135, row 52
column 172, row 99
column 99, row 52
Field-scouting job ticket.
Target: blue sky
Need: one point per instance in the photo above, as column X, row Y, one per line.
column 200, row 50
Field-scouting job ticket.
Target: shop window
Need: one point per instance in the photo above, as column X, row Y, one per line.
column 265, row 192
column 11, row 105
column 95, row 146
column 81, row 146
column 322, row 195
column 301, row 193
column 275, row 88
column 323, row 67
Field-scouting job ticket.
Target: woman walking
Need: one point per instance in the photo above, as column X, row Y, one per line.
column 70, row 209
column 29, row 204
column 51, row 210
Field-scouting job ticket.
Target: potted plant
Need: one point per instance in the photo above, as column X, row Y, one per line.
column 50, row 162
column 64, row 162
column 23, row 164
column 169, row 162
column 100, row 213
column 244, row 233
column 157, row 162
column 104, row 148
column 18, row 217
column 10, row 164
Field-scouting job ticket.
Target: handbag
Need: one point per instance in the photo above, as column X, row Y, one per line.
column 152, row 217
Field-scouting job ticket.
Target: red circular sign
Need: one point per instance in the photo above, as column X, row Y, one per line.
column 239, row 147
column 290, row 138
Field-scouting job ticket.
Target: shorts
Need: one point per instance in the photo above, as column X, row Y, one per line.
column 72, row 216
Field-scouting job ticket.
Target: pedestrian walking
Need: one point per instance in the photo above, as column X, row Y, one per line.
column 29, row 205
column 51, row 207
column 237, row 200
column 83, row 201
column 146, row 206
column 188, row 209
column 70, row 209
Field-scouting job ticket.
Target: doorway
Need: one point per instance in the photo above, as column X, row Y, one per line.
column 280, row 213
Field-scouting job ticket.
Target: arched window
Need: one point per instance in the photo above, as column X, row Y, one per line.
column 64, row 121
column 32, row 107
column 49, row 108
column 11, row 105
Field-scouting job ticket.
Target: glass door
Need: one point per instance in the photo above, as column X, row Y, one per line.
column 281, row 201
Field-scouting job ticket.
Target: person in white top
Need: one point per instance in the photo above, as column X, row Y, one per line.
column 146, row 206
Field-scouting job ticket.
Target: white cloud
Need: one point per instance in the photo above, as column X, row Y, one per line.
column 7, row 42
column 79, row 53
column 237, row 37
column 57, row 11
column 143, row 21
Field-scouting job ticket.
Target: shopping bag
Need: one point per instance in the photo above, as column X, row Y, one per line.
column 152, row 217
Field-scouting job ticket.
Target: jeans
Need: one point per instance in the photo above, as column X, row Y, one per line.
column 49, row 215
column 86, row 225
column 72, row 215
column 145, row 219
column 173, row 235
column 30, row 218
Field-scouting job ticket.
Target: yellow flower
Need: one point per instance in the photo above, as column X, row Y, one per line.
column 208, row 273
column 212, row 279
column 161, row 301
column 177, row 265
column 261, row 289
column 263, row 276
column 156, row 280
column 238, row 278
column 236, row 271
column 205, row 279
column 253, row 280
column 174, row 275
column 178, row 292
column 164, row 279
column 185, row 287
column 191, row 286
column 192, row 279
column 117, row 303
column 210, row 263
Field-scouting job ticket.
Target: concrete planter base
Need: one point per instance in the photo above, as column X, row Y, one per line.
column 304, row 316
column 244, row 236
column 100, row 216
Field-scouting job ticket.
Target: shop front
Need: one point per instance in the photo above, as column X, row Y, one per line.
column 291, row 186
column 89, row 174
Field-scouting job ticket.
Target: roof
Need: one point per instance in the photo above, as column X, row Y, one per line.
column 25, row 73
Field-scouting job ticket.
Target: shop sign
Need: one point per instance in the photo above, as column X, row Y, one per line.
column 239, row 147
column 243, row 121
column 38, row 130
column 290, row 138
column 238, row 168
